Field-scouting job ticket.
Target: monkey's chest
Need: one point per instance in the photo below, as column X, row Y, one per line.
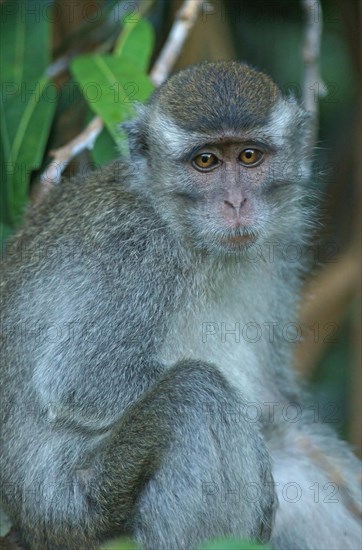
column 225, row 332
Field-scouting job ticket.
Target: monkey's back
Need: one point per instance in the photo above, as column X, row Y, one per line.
column 85, row 286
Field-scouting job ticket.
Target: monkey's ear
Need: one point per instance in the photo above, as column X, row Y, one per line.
column 136, row 131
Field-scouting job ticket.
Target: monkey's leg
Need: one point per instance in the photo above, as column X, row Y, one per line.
column 178, row 468
column 318, row 483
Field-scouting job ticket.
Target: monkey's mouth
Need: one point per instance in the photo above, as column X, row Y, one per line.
column 240, row 239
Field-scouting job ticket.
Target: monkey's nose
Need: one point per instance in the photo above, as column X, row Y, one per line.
column 236, row 208
column 235, row 204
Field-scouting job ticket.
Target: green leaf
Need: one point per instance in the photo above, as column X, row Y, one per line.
column 111, row 83
column 119, row 544
column 5, row 231
column 135, row 44
column 23, row 42
column 27, row 104
column 105, row 148
column 110, row 86
column 24, row 152
column 233, row 544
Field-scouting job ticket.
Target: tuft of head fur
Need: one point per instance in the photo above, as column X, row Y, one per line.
column 214, row 99
column 218, row 96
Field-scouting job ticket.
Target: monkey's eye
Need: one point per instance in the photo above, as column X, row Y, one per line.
column 250, row 156
column 205, row 161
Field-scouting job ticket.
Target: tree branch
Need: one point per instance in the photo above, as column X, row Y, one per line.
column 62, row 156
column 313, row 85
column 185, row 19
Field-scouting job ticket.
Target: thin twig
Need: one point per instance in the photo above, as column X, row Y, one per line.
column 185, row 19
column 62, row 156
column 313, row 85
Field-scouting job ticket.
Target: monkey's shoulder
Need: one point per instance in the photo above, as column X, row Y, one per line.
column 91, row 233
column 100, row 202
column 97, row 215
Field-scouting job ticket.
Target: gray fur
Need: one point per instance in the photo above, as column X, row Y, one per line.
column 124, row 404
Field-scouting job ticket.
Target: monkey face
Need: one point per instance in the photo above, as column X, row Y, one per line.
column 231, row 190
column 223, row 154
